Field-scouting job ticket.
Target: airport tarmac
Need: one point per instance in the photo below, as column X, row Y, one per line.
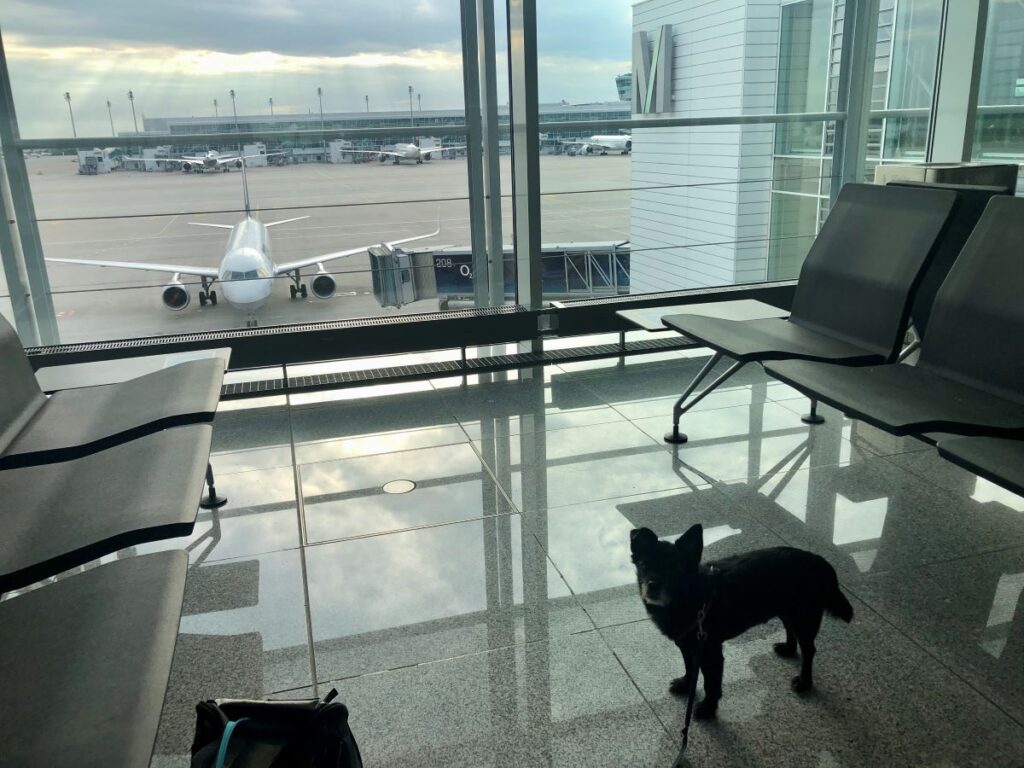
column 136, row 216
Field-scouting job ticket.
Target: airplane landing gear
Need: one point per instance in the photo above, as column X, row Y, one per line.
column 298, row 288
column 206, row 295
column 251, row 321
column 395, row 161
column 419, row 162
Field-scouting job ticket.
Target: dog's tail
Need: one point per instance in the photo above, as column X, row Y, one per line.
column 838, row 605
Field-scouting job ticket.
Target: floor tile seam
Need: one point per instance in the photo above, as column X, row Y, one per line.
column 491, row 472
column 384, row 453
column 575, row 597
column 441, row 660
column 636, row 686
column 300, row 508
column 681, row 485
column 602, row 423
column 937, row 660
column 425, row 526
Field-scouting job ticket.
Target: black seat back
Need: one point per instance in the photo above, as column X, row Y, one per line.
column 861, row 273
column 973, row 201
column 977, row 321
column 20, row 396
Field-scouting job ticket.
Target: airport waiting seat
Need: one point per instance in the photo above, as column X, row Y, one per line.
column 85, row 663
column 996, row 459
column 853, row 296
column 969, row 379
column 36, row 429
column 971, row 205
column 63, row 515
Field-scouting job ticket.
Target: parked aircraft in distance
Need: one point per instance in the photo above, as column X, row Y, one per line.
column 247, row 271
column 208, row 161
column 403, row 152
column 601, row 145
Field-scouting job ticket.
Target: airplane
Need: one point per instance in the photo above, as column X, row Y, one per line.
column 247, row 271
column 622, row 143
column 403, row 152
column 208, row 161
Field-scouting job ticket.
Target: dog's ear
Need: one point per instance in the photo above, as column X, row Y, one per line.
column 641, row 538
column 691, row 544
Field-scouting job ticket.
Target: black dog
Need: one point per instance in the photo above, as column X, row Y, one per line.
column 735, row 594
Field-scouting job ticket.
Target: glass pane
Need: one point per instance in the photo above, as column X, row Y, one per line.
column 999, row 134
column 906, row 56
column 794, row 222
column 332, row 199
column 694, row 205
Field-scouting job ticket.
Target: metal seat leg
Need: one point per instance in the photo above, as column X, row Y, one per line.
column 675, row 436
column 212, row 500
column 813, row 417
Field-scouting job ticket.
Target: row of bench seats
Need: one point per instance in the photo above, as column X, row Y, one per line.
column 946, row 259
column 84, row 473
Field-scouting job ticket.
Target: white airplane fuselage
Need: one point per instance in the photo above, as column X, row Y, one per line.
column 409, row 152
column 617, row 143
column 246, row 273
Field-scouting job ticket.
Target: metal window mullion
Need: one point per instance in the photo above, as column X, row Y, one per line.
column 525, row 133
column 860, row 25
column 13, row 266
column 492, row 168
column 957, row 80
column 474, row 159
column 24, row 212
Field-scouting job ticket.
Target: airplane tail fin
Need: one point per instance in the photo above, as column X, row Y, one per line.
column 245, row 190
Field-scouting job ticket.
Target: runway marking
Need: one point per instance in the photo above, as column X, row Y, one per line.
column 172, row 220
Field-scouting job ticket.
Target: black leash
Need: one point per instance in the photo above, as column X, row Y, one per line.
column 692, row 694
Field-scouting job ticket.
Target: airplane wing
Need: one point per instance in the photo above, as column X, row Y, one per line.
column 373, row 152
column 234, row 158
column 439, row 149
column 173, row 268
column 291, row 266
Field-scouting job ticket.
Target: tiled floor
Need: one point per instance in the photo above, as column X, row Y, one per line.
column 489, row 616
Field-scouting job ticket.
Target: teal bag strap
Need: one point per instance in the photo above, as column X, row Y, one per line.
column 222, row 752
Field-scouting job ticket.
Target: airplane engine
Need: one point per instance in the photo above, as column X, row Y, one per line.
column 238, row 163
column 323, row 286
column 186, row 167
column 629, row 145
column 176, row 297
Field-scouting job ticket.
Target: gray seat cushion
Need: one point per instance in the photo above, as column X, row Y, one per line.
column 903, row 399
column 59, row 516
column 76, row 422
column 84, row 664
column 775, row 339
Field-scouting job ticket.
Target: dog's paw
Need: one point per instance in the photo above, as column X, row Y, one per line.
column 680, row 686
column 706, row 709
column 784, row 650
column 800, row 685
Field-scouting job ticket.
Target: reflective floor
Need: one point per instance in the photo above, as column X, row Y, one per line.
column 453, row 557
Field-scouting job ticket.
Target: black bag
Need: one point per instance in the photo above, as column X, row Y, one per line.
column 234, row 733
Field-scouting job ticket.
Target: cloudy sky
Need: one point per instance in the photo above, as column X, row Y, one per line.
column 177, row 56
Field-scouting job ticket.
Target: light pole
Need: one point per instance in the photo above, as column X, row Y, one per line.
column 271, row 106
column 412, row 121
column 216, row 112
column 419, row 101
column 110, row 114
column 131, row 99
column 233, row 110
column 367, row 97
column 67, row 98
column 320, row 97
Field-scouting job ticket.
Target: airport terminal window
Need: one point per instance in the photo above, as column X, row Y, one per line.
column 999, row 132
column 154, row 73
